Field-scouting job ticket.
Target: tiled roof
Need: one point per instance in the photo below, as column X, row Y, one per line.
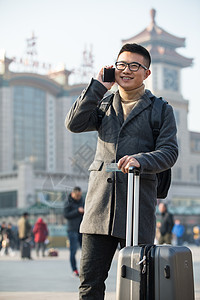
column 156, row 34
column 169, row 55
column 161, row 44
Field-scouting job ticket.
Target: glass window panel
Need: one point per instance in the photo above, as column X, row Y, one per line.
column 30, row 126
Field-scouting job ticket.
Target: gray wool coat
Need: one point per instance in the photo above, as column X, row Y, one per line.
column 105, row 205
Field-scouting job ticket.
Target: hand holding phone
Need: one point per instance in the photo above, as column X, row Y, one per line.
column 108, row 75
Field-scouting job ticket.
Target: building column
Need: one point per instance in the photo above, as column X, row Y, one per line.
column 26, row 192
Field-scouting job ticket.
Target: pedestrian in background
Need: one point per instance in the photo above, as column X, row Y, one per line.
column 73, row 212
column 2, row 232
column 178, row 231
column 196, row 235
column 166, row 225
column 40, row 232
column 8, row 241
column 10, row 235
column 24, row 231
column 157, row 235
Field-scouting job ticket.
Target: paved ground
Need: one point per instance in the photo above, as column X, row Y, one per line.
column 50, row 277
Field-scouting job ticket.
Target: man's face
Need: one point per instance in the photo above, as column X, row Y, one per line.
column 162, row 208
column 129, row 80
column 76, row 195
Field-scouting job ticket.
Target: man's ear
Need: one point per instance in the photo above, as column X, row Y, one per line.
column 147, row 73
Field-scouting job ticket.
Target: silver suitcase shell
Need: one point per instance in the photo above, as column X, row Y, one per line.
column 169, row 273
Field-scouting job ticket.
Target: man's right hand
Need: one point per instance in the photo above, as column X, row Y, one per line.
column 81, row 210
column 126, row 162
column 99, row 77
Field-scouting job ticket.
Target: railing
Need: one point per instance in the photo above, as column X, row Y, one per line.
column 6, row 212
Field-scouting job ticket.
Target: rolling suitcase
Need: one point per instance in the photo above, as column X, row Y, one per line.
column 26, row 249
column 151, row 272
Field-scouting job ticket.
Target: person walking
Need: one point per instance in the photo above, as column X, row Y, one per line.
column 24, row 232
column 196, row 235
column 166, row 225
column 8, row 241
column 40, row 232
column 125, row 137
column 178, row 231
column 3, row 229
column 10, row 235
column 73, row 212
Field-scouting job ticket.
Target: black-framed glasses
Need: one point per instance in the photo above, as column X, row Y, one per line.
column 133, row 66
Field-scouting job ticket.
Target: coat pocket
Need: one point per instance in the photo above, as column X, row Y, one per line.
column 96, row 165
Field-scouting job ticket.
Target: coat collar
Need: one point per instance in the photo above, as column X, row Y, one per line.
column 142, row 104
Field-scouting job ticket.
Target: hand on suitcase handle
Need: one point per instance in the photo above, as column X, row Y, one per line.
column 134, row 170
column 126, row 162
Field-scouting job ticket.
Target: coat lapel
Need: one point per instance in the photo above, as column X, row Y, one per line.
column 118, row 107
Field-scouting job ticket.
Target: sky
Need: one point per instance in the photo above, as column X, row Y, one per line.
column 65, row 28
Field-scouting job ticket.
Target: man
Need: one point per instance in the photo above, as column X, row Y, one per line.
column 178, row 231
column 125, row 137
column 24, row 231
column 166, row 225
column 2, row 232
column 10, row 235
column 73, row 212
column 8, row 241
column 196, row 235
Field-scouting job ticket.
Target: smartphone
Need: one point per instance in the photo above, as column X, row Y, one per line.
column 109, row 75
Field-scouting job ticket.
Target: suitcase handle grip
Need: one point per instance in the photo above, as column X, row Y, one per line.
column 134, row 170
column 132, row 225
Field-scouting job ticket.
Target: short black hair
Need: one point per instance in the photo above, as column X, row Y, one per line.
column 25, row 214
column 76, row 189
column 135, row 48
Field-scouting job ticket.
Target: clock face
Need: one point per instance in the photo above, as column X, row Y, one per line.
column 170, row 79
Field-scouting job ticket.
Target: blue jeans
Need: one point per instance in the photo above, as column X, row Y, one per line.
column 75, row 239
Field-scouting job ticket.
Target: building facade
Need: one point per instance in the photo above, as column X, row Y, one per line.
column 40, row 161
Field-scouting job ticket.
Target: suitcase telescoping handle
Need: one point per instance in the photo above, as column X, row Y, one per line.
column 132, row 227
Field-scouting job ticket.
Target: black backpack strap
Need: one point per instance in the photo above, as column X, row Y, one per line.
column 157, row 115
column 102, row 108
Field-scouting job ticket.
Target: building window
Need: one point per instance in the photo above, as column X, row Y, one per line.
column 170, row 79
column 8, row 199
column 197, row 145
column 29, row 113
